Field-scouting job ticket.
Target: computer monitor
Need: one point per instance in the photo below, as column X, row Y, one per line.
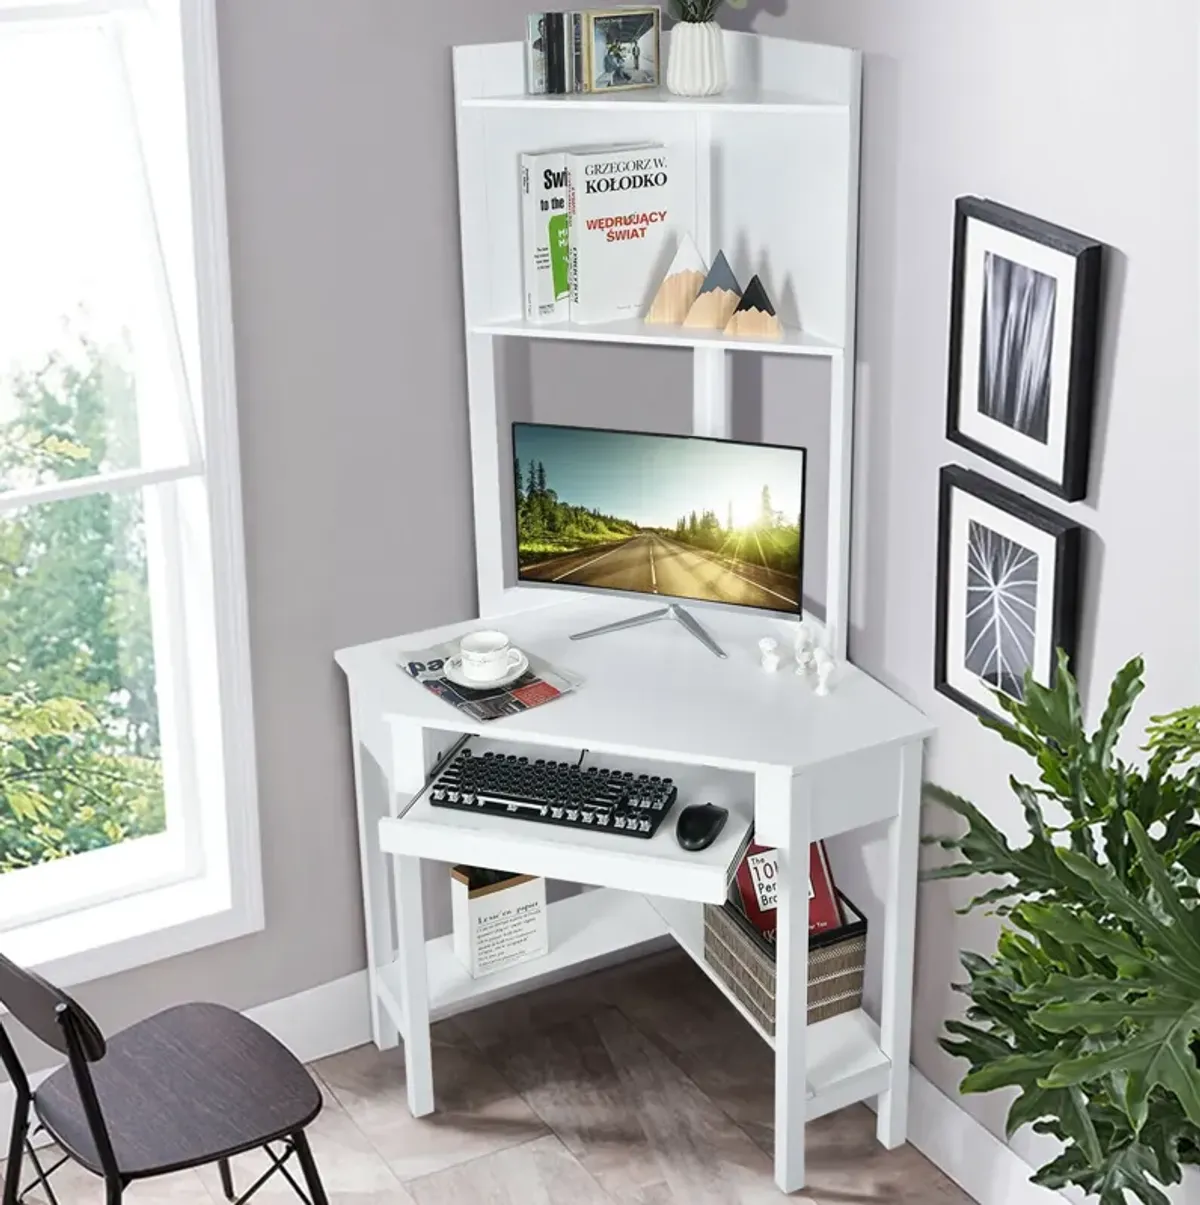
column 670, row 517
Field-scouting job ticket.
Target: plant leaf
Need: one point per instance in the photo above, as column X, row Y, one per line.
column 1158, row 1053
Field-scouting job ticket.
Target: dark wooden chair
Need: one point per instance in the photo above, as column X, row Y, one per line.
column 191, row 1086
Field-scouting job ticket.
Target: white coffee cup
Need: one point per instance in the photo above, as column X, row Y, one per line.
column 487, row 656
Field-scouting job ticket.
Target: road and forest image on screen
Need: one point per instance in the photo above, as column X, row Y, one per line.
column 679, row 517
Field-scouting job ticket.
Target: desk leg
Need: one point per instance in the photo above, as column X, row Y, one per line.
column 372, row 794
column 414, row 986
column 899, row 925
column 408, row 747
column 791, row 799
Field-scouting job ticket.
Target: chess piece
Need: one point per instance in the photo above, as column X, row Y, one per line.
column 680, row 287
column 805, row 643
column 768, row 654
column 718, row 297
column 825, row 668
column 755, row 316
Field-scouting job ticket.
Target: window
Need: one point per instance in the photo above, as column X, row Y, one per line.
column 127, row 795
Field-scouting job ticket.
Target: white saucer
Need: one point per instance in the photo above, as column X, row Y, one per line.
column 453, row 671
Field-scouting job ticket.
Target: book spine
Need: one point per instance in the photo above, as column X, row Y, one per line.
column 529, row 239
column 578, row 64
column 556, row 65
column 583, row 50
column 572, row 226
column 568, row 47
column 546, row 235
column 535, row 54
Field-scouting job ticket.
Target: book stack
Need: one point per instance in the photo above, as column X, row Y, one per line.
column 598, row 226
column 593, row 50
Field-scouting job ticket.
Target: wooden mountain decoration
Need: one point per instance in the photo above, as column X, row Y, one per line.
column 755, row 317
column 680, row 286
column 718, row 297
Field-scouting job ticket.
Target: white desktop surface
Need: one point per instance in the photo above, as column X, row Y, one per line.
column 655, row 691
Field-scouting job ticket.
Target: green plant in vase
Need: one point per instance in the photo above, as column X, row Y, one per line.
column 1090, row 1004
column 696, row 63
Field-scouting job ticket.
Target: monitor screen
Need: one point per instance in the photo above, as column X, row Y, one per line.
column 676, row 517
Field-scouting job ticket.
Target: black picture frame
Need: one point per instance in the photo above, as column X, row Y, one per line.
column 1070, row 478
column 1064, row 610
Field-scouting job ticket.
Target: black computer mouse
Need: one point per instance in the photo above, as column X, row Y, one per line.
column 699, row 826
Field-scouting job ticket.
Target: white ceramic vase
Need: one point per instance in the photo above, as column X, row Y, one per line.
column 696, row 63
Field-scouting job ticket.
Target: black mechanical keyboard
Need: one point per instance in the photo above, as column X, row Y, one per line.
column 554, row 792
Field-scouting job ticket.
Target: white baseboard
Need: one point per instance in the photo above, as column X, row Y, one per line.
column 966, row 1151
column 322, row 1021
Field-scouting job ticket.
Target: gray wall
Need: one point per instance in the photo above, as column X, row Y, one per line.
column 343, row 210
column 1085, row 113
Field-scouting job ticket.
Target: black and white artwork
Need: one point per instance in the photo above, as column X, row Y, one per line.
column 1001, row 611
column 1023, row 344
column 1008, row 594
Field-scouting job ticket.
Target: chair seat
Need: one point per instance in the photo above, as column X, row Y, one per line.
column 186, row 1087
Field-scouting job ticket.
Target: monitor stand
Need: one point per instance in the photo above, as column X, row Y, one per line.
column 674, row 611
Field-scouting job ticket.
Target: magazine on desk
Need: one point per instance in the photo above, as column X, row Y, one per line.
column 540, row 683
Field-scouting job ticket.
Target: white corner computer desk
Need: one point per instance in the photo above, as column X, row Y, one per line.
column 798, row 766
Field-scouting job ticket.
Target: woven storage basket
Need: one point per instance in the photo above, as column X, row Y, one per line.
column 745, row 962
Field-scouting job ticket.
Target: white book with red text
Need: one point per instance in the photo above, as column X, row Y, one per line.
column 622, row 215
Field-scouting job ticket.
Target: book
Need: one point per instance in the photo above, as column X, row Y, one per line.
column 622, row 211
column 546, row 237
column 557, row 74
column 757, row 880
column 578, row 59
column 550, row 47
column 535, row 54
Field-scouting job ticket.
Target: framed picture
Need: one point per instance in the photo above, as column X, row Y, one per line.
column 1008, row 591
column 1023, row 332
column 621, row 48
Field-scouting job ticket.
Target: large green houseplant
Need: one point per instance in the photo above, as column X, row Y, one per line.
column 1090, row 1004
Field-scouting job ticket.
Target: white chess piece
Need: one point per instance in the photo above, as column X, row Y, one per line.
column 825, row 668
column 804, row 651
column 768, row 654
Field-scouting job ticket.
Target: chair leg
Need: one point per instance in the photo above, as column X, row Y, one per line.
column 16, row 1152
column 113, row 1192
column 226, row 1179
column 308, row 1165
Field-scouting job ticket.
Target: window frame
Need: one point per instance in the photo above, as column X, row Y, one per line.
column 217, row 894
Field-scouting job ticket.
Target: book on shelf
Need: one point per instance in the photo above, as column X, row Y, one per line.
column 593, row 50
column 757, row 881
column 560, row 51
column 550, row 53
column 546, row 237
column 622, row 212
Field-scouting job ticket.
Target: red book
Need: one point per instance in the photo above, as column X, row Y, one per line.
column 758, row 889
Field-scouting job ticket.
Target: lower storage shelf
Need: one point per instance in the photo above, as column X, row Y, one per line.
column 844, row 1061
column 585, row 930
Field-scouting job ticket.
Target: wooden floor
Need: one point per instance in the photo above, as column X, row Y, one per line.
column 639, row 1085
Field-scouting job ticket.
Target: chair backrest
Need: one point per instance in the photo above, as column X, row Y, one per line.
column 51, row 1015
column 47, row 1012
